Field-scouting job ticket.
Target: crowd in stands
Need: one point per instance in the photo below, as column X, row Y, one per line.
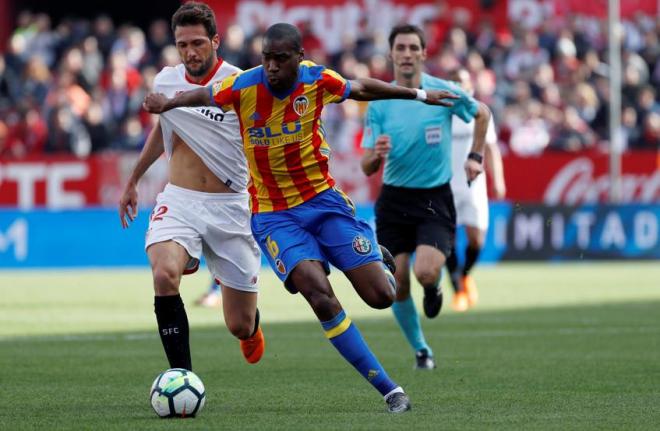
column 77, row 86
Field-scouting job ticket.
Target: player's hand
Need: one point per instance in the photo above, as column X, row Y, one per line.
column 155, row 103
column 128, row 204
column 383, row 146
column 472, row 169
column 439, row 97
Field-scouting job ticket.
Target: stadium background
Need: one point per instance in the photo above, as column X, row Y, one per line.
column 73, row 76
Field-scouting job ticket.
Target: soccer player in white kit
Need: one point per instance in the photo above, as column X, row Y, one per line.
column 204, row 208
column 471, row 201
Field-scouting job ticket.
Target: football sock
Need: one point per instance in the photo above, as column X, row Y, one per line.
column 256, row 324
column 346, row 338
column 408, row 318
column 452, row 266
column 173, row 330
column 471, row 256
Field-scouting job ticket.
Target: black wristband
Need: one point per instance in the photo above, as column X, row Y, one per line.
column 476, row 157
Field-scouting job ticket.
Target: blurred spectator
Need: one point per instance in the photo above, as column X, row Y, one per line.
column 573, row 133
column 66, row 133
column 530, row 134
column 548, row 87
column 9, row 85
column 233, row 47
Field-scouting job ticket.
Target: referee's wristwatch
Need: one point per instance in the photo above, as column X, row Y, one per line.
column 476, row 157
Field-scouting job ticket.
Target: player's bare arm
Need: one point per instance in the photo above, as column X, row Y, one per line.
column 157, row 102
column 151, row 151
column 496, row 168
column 474, row 164
column 373, row 157
column 366, row 89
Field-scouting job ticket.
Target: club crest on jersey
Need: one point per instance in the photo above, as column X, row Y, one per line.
column 280, row 266
column 300, row 105
column 361, row 245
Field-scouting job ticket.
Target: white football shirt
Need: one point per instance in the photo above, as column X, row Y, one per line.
column 212, row 134
column 462, row 136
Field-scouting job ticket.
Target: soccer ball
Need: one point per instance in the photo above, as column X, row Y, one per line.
column 177, row 393
column 391, row 280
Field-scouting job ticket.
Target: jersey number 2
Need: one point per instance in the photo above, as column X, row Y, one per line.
column 158, row 213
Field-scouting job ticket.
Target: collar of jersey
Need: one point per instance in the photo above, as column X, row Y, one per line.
column 280, row 94
column 208, row 77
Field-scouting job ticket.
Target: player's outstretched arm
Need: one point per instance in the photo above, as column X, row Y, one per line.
column 153, row 148
column 374, row 89
column 157, row 103
column 474, row 163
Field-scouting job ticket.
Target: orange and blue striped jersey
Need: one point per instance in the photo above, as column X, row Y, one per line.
column 283, row 138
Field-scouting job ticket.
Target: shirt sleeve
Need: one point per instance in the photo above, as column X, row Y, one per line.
column 466, row 106
column 336, row 87
column 372, row 126
column 223, row 94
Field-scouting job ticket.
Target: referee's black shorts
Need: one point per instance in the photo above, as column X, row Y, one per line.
column 407, row 217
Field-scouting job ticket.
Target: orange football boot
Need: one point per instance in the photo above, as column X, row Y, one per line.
column 470, row 288
column 460, row 302
column 253, row 347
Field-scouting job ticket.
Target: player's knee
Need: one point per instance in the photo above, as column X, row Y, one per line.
column 427, row 276
column 476, row 242
column 383, row 296
column 166, row 281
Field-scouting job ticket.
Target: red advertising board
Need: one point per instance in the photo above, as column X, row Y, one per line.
column 332, row 19
column 553, row 178
column 598, row 8
column 569, row 179
column 56, row 182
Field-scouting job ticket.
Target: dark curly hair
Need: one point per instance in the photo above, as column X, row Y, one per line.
column 193, row 13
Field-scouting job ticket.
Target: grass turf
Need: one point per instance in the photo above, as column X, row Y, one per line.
column 549, row 347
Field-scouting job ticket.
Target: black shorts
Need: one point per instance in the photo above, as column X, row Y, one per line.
column 407, row 217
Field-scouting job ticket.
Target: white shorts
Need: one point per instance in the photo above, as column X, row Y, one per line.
column 215, row 224
column 471, row 203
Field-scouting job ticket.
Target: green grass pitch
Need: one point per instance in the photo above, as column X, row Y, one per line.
column 557, row 347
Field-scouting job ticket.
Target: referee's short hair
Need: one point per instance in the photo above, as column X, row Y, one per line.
column 407, row 29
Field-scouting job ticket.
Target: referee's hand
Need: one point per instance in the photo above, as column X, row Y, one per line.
column 472, row 169
column 440, row 98
column 383, row 146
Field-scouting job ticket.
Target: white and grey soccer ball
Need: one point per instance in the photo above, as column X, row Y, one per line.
column 177, row 393
column 391, row 280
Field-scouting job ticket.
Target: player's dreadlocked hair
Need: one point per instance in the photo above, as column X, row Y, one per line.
column 193, row 13
column 284, row 31
column 407, row 29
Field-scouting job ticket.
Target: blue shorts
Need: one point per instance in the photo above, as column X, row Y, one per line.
column 324, row 228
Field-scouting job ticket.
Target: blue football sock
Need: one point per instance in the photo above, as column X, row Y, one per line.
column 406, row 314
column 346, row 338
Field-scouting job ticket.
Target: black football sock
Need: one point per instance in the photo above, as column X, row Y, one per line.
column 256, row 323
column 452, row 267
column 173, row 330
column 471, row 256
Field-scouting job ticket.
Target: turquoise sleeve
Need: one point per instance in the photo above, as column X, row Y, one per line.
column 372, row 127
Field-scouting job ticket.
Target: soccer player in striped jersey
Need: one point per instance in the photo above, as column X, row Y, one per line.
column 300, row 219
